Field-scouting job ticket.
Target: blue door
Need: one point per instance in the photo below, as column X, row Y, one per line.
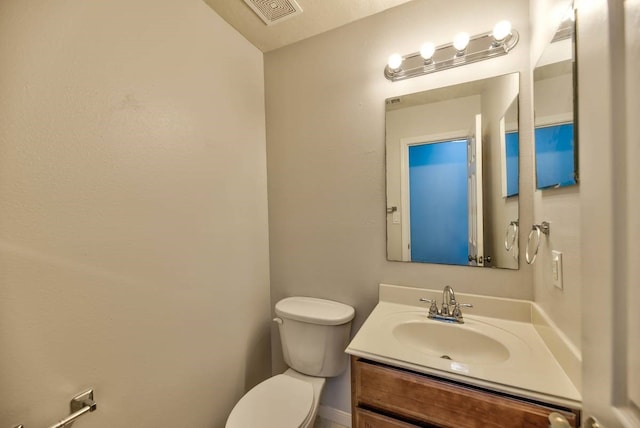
column 438, row 195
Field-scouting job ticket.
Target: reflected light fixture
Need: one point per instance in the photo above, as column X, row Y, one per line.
column 464, row 49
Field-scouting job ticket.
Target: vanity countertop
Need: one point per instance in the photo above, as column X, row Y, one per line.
column 530, row 370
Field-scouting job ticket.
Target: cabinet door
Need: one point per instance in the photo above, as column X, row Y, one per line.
column 429, row 400
column 366, row 419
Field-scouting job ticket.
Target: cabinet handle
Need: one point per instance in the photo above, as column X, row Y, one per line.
column 556, row 420
column 592, row 422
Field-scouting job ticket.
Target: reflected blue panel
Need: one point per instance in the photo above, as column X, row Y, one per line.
column 555, row 156
column 512, row 152
column 438, row 194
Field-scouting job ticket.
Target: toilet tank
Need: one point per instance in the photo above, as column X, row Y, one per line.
column 314, row 334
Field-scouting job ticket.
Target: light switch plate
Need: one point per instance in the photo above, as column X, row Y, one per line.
column 556, row 269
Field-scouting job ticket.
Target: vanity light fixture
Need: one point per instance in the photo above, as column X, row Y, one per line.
column 394, row 63
column 570, row 15
column 465, row 49
column 426, row 52
column 460, row 42
column 500, row 32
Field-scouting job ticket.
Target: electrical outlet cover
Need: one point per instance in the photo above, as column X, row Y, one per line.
column 556, row 269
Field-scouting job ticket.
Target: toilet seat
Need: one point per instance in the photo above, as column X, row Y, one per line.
column 279, row 402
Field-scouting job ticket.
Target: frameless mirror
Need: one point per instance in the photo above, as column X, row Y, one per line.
column 554, row 94
column 452, row 174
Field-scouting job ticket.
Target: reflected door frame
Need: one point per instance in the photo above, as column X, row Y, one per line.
column 475, row 192
column 405, row 144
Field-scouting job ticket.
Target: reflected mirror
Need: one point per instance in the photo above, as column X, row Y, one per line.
column 554, row 94
column 452, row 174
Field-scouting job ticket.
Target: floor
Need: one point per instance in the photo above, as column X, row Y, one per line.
column 323, row 423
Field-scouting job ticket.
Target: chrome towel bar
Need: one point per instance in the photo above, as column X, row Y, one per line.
column 538, row 230
column 80, row 404
column 509, row 242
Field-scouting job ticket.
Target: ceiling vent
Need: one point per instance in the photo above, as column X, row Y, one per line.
column 274, row 11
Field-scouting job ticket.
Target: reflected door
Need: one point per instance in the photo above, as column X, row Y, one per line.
column 555, row 163
column 438, row 194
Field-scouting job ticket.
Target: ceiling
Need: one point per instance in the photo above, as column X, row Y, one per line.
column 317, row 17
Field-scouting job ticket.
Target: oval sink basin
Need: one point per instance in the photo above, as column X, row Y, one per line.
column 451, row 342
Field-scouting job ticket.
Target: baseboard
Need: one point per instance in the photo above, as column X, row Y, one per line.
column 339, row 417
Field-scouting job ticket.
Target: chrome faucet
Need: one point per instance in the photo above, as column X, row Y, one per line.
column 448, row 301
column 450, row 309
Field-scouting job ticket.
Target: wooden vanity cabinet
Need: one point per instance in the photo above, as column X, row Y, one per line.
column 387, row 397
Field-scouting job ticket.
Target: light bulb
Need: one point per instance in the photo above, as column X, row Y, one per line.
column 395, row 61
column 427, row 50
column 501, row 30
column 460, row 41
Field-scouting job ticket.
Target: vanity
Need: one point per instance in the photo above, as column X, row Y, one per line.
column 502, row 366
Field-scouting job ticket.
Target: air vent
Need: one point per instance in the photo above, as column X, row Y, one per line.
column 274, row 11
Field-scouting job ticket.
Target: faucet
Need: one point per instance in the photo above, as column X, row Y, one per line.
column 448, row 301
column 450, row 310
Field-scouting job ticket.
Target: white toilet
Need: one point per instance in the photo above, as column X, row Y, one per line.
column 314, row 334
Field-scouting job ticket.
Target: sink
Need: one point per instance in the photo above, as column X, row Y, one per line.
column 451, row 342
column 497, row 347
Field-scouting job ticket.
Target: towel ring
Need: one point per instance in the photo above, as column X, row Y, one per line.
column 538, row 230
column 509, row 243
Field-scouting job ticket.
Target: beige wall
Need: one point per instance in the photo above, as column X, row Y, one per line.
column 560, row 207
column 133, row 234
column 325, row 132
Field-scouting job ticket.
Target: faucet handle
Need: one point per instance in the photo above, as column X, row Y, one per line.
column 456, row 310
column 433, row 309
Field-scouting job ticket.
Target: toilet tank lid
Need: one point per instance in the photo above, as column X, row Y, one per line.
column 313, row 310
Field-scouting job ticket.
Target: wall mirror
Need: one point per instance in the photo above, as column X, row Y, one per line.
column 452, row 174
column 554, row 94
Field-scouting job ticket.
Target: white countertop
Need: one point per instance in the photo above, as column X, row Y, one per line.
column 530, row 371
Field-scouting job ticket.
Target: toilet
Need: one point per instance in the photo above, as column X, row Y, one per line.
column 314, row 334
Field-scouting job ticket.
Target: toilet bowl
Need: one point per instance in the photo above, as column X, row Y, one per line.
column 314, row 333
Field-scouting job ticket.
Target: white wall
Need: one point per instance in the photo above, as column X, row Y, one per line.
column 560, row 207
column 553, row 99
column 133, row 233
column 500, row 211
column 325, row 143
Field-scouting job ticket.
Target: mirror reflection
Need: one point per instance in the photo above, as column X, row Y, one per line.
column 452, row 174
column 556, row 154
